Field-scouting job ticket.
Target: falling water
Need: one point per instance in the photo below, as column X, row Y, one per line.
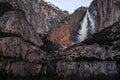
column 86, row 24
column 82, row 33
column 92, row 24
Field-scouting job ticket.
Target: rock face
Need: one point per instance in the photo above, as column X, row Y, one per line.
column 99, row 15
column 40, row 14
column 17, row 35
column 67, row 29
column 75, row 19
column 14, row 23
column 18, row 41
column 61, row 34
column 34, row 35
column 84, row 58
column 102, row 13
column 108, row 12
column 76, row 70
column 104, row 47
column 43, row 16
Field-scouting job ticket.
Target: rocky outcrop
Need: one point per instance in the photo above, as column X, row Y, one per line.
column 61, row 34
column 50, row 10
column 20, row 68
column 67, row 29
column 48, row 20
column 34, row 35
column 43, row 16
column 86, row 70
column 14, row 30
column 40, row 14
column 107, row 12
column 100, row 14
column 102, row 45
column 75, row 19
column 13, row 22
column 87, row 56
column 19, row 43
column 57, row 21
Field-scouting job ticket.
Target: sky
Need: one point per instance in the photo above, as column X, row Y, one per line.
column 70, row 5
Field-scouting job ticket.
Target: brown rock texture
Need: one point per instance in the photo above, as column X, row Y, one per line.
column 20, row 68
column 18, row 41
column 76, row 70
column 66, row 30
column 13, row 22
column 34, row 35
column 61, row 34
column 75, row 19
column 104, row 47
column 43, row 16
column 103, row 13
column 87, row 56
column 108, row 12
column 51, row 10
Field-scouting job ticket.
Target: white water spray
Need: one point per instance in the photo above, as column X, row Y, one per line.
column 83, row 32
column 92, row 24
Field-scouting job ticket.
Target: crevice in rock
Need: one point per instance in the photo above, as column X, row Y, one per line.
column 10, row 59
column 100, row 41
column 83, row 58
column 48, row 46
column 91, row 59
column 5, row 7
column 117, row 59
column 4, row 35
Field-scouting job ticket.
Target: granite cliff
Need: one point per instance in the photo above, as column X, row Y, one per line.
column 37, row 38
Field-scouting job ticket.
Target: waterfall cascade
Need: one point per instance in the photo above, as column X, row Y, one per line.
column 86, row 24
column 92, row 24
column 82, row 32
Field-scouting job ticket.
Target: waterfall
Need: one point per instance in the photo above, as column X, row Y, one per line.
column 92, row 24
column 86, row 24
column 82, row 32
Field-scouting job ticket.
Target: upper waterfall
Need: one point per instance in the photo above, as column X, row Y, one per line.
column 92, row 24
column 87, row 26
column 82, row 31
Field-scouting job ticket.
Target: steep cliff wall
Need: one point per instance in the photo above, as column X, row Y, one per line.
column 19, row 42
column 27, row 27
column 91, row 57
column 108, row 12
column 103, row 13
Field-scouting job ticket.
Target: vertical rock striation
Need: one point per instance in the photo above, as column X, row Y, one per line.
column 108, row 12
